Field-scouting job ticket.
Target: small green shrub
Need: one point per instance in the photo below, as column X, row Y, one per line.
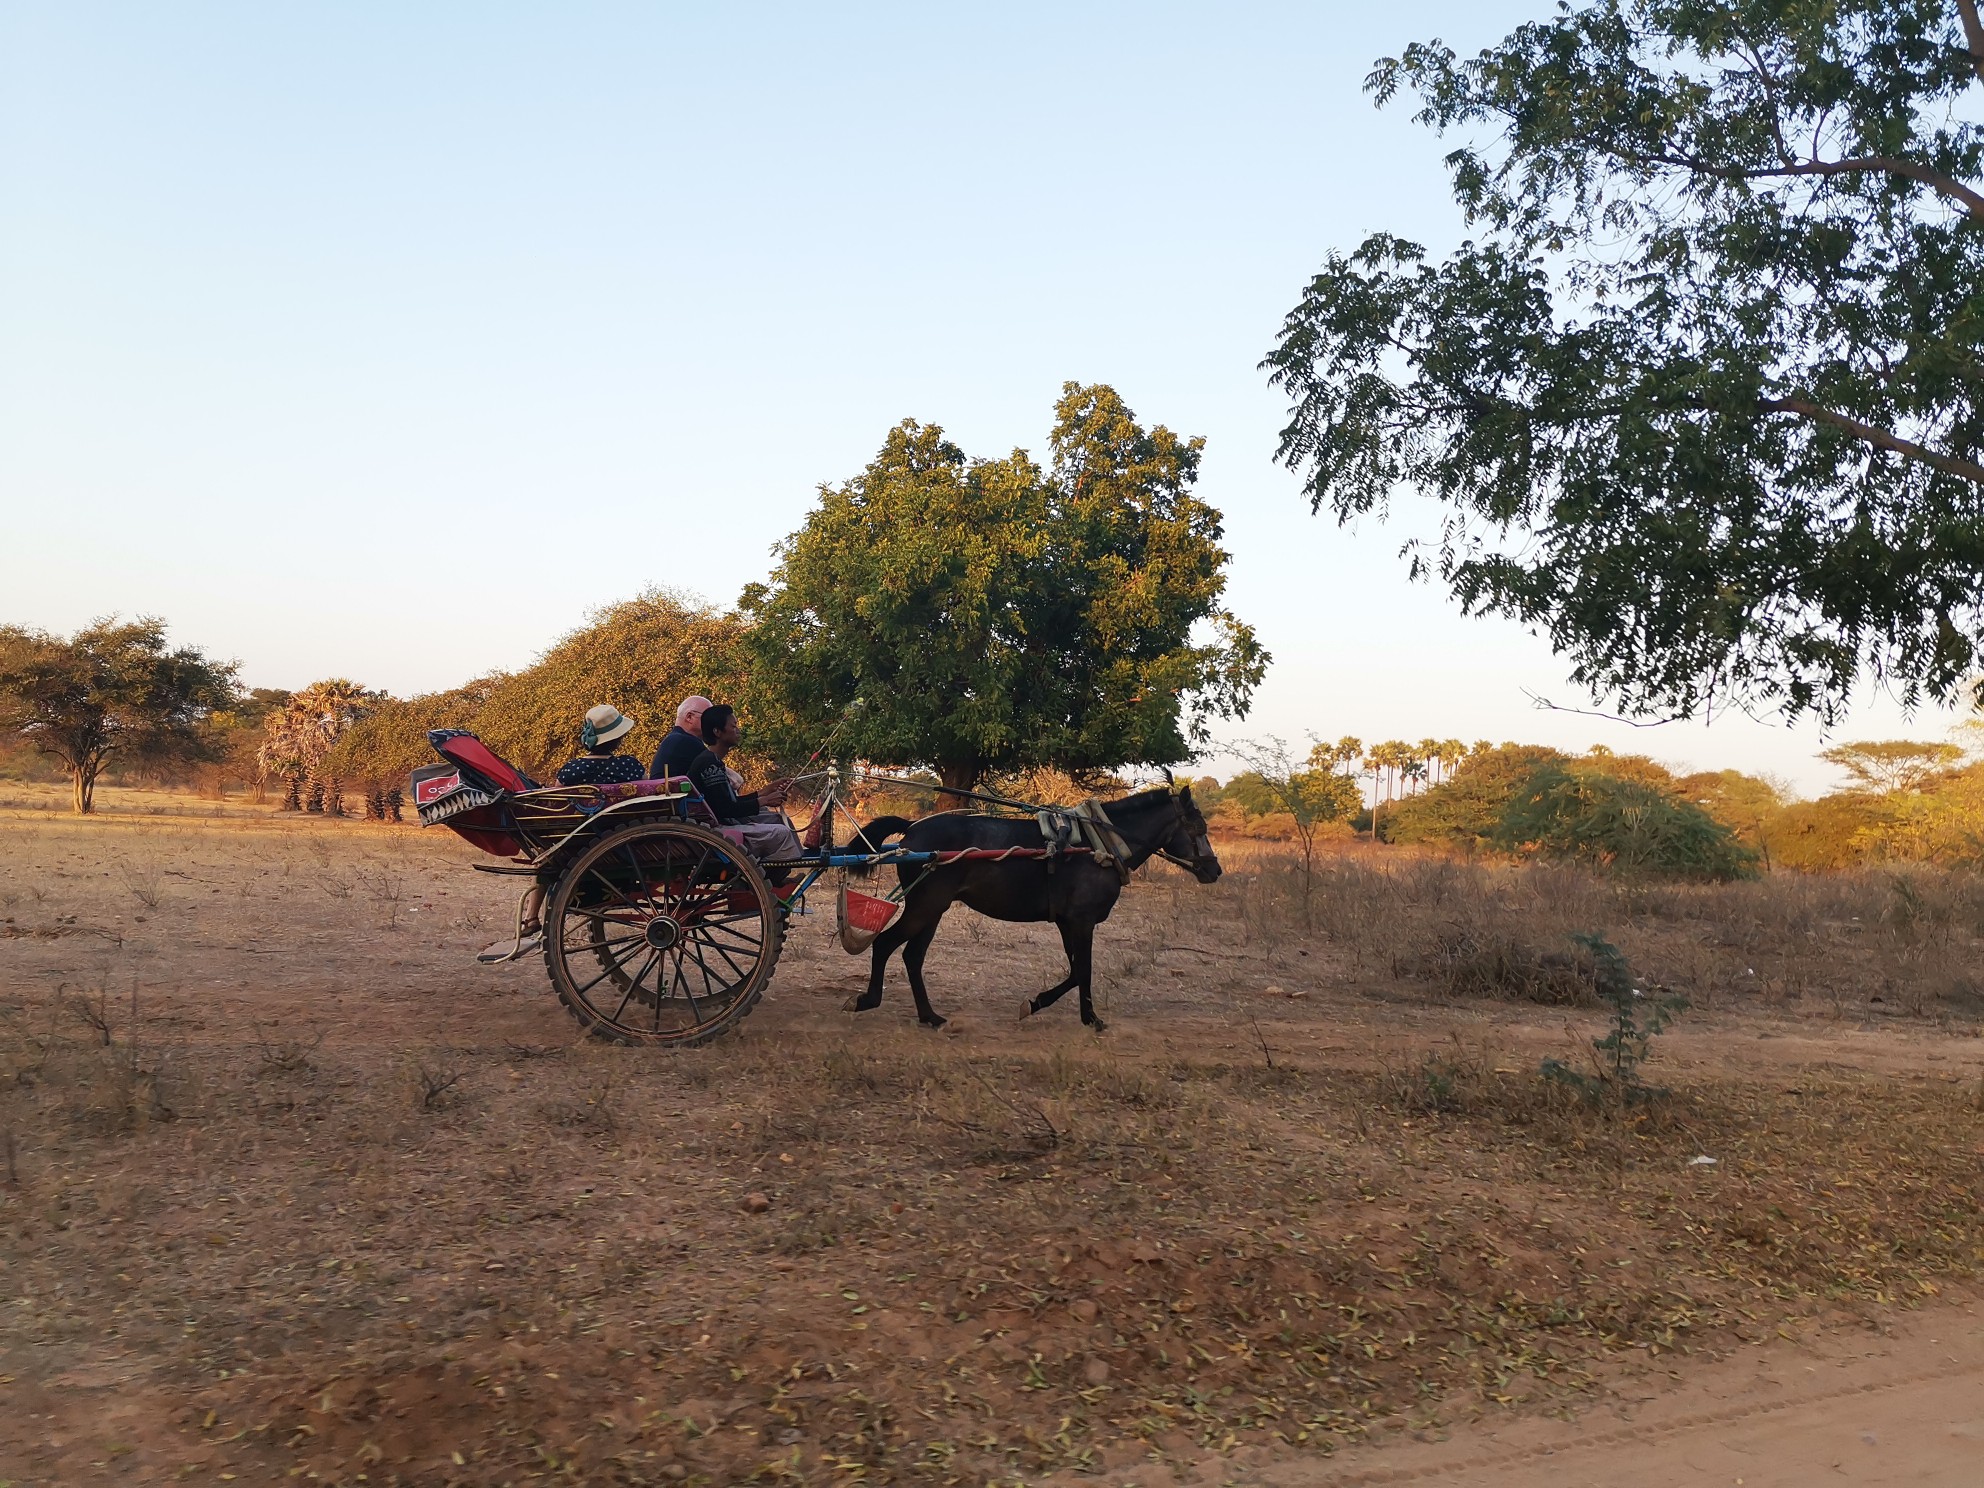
column 1637, row 1018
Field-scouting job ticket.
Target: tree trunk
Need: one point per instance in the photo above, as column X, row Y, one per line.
column 957, row 775
column 1308, row 874
column 83, row 778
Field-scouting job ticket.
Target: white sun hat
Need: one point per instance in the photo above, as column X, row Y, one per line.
column 603, row 725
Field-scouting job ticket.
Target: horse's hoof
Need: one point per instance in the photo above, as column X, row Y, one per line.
column 857, row 1004
column 933, row 1021
column 1096, row 1025
column 1027, row 1010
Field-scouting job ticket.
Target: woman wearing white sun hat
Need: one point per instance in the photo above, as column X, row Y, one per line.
column 602, row 763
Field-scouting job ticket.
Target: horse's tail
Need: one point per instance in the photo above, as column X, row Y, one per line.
column 870, row 838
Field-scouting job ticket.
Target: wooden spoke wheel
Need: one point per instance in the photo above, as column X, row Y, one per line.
column 663, row 933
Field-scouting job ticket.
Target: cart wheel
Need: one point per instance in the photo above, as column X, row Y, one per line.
column 661, row 934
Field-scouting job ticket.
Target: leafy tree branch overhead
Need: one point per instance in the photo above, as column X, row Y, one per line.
column 1702, row 397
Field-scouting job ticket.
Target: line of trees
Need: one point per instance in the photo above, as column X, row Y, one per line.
column 1903, row 801
column 119, row 694
column 1007, row 616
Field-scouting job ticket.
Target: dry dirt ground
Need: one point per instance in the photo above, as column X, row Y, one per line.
column 291, row 1189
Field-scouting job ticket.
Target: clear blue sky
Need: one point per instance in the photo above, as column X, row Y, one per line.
column 387, row 340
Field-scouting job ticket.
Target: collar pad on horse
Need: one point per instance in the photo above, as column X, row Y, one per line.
column 1086, row 825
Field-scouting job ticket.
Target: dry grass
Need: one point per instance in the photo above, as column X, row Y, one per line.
column 327, row 1198
column 1872, row 943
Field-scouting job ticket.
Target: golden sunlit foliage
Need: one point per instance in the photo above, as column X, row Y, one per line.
column 643, row 655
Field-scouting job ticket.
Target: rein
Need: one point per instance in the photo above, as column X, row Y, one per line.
column 873, row 779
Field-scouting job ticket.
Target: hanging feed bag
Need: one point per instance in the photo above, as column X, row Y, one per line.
column 862, row 918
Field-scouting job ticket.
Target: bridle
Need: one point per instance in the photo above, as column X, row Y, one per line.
column 1190, row 865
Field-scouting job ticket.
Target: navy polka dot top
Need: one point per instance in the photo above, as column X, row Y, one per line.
column 601, row 769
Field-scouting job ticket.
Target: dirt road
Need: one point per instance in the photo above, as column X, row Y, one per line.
column 1903, row 1406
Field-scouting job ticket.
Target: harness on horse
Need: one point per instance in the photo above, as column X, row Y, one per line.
column 1085, row 826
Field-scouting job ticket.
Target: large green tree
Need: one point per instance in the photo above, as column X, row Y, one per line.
column 1702, row 395
column 997, row 616
column 114, row 688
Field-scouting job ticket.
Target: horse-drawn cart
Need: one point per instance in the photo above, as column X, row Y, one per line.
column 658, row 926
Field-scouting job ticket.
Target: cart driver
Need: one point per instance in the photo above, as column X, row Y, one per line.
column 767, row 834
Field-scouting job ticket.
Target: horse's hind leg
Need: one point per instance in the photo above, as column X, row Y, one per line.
column 912, row 962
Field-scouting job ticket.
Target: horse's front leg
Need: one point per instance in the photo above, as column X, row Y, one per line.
column 918, row 924
column 1054, row 993
column 1079, row 938
column 884, row 947
column 912, row 962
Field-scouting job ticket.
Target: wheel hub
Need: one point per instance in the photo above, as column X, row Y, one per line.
column 663, row 933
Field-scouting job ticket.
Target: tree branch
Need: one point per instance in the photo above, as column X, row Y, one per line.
column 1894, row 165
column 1973, row 33
column 1880, row 438
column 1545, row 705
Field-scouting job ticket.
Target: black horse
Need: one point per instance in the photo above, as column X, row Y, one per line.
column 1075, row 891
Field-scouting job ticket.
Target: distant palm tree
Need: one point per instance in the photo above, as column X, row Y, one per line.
column 1396, row 759
column 1374, row 762
column 297, row 740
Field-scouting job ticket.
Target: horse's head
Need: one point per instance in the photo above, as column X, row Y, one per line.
column 1190, row 843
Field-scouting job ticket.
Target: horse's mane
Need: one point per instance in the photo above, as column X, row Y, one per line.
column 1148, row 796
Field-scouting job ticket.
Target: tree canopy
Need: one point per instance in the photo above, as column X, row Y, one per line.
column 1628, row 825
column 643, row 655
column 390, row 742
column 115, row 687
column 997, row 616
column 1702, row 397
column 1893, row 764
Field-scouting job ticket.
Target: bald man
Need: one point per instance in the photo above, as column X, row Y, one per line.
column 681, row 744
